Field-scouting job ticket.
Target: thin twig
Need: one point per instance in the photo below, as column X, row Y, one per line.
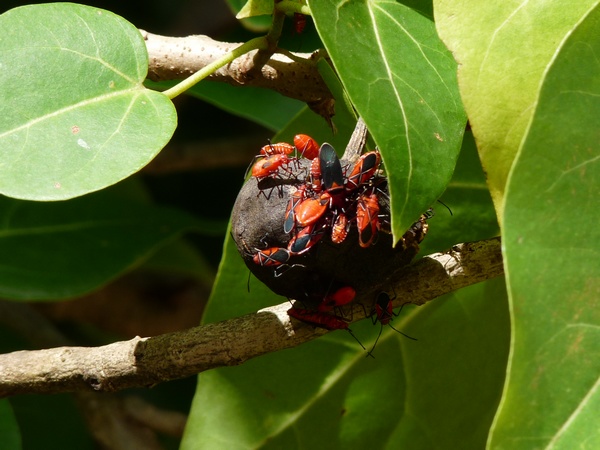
column 148, row 361
column 115, row 422
column 173, row 58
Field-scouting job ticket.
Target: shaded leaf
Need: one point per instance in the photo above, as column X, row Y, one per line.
column 9, row 429
column 51, row 422
column 472, row 215
column 263, row 106
column 183, row 258
column 552, row 253
column 255, row 23
column 503, row 49
column 60, row 250
column 230, row 296
column 75, row 116
column 255, row 8
column 402, row 81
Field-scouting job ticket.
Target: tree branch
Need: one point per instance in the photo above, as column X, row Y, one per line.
column 292, row 75
column 147, row 361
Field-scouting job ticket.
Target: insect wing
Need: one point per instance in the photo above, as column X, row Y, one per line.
column 331, row 167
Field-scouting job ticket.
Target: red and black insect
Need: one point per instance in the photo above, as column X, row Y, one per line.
column 331, row 168
column 306, row 146
column 341, row 297
column 265, row 167
column 363, row 170
column 318, row 319
column 310, row 210
column 276, row 257
column 290, row 213
column 383, row 312
column 272, row 256
column 367, row 219
column 322, row 320
column 304, row 240
column 299, row 22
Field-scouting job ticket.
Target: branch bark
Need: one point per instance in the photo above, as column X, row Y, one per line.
column 115, row 422
column 148, row 361
column 295, row 75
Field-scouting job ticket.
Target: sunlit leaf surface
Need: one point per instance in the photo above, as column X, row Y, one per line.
column 74, row 116
column 503, row 49
column 552, row 251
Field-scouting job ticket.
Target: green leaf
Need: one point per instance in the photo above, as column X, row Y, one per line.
column 9, row 429
column 74, row 116
column 51, row 422
column 473, row 216
column 255, row 8
column 64, row 249
column 503, row 49
column 402, row 81
column 263, row 106
column 182, row 258
column 236, row 292
column 552, row 256
column 255, row 23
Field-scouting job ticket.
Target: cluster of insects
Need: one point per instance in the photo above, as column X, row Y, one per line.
column 328, row 201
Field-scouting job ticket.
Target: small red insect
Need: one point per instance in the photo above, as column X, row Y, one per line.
column 383, row 313
column 282, row 148
column 339, row 231
column 299, row 22
column 318, row 319
column 269, row 165
column 306, row 146
column 364, row 170
column 341, row 297
column 367, row 220
column 315, row 175
column 312, row 209
column 322, row 320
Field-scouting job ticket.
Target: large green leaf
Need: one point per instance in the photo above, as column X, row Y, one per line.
column 59, row 250
column 252, row 22
column 503, row 49
column 9, row 429
column 472, row 215
column 402, row 81
column 552, row 251
column 74, row 114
